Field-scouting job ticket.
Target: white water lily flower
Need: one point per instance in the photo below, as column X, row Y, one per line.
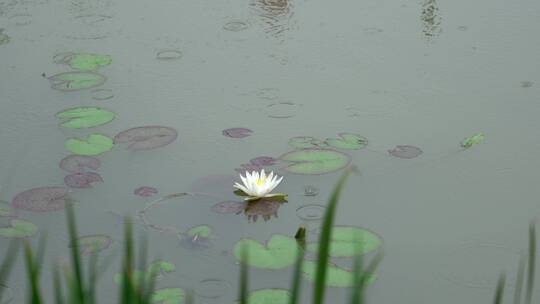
column 258, row 186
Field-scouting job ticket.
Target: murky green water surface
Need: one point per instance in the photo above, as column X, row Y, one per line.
column 159, row 98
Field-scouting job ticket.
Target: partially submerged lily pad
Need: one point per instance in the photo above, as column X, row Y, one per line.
column 279, row 252
column 92, row 244
column 160, row 267
column 304, row 142
column 6, row 210
column 315, row 161
column 82, row 180
column 42, row 199
column 74, row 81
column 19, row 228
column 335, row 275
column 147, row 137
column 201, row 231
column 346, row 241
column 145, row 191
column 263, row 161
column 85, row 117
column 269, row 296
column 94, row 144
column 171, row 295
column 237, row 132
column 405, row 151
column 348, row 141
column 87, row 61
column 76, row 163
column 472, row 140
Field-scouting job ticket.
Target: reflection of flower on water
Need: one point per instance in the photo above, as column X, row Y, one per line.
column 265, row 208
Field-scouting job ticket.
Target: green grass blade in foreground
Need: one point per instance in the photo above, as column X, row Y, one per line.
column 127, row 266
column 519, row 279
column 300, row 237
column 90, row 292
column 499, row 291
column 57, row 286
column 531, row 263
column 33, row 280
column 324, row 240
column 244, row 276
column 357, row 294
column 7, row 264
column 77, row 276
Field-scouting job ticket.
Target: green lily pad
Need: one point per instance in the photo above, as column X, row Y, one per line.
column 304, row 142
column 88, row 62
column 171, row 295
column 74, row 81
column 6, row 210
column 160, row 267
column 19, row 229
column 85, row 117
column 344, row 242
column 315, row 161
column 94, row 144
column 472, row 140
column 92, row 244
column 335, row 275
column 269, row 296
column 203, row 231
column 348, row 141
column 279, row 252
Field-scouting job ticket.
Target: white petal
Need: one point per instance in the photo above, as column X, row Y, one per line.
column 275, row 184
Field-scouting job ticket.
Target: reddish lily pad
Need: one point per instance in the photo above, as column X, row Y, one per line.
column 147, row 137
column 75, row 163
column 82, row 180
column 145, row 191
column 263, row 161
column 42, row 199
column 405, row 151
column 237, row 132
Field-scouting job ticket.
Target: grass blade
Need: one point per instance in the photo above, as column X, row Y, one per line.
column 357, row 295
column 77, row 276
column 57, row 286
column 531, row 263
column 90, row 292
column 300, row 237
column 7, row 264
column 127, row 265
column 244, row 276
column 519, row 279
column 34, row 293
column 499, row 291
column 324, row 240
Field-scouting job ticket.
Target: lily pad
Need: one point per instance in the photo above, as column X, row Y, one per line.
column 203, row 231
column 263, row 161
column 75, row 163
column 42, row 199
column 92, row 244
column 82, row 180
column 6, row 210
column 75, row 81
column 171, row 295
column 147, row 137
column 279, row 252
column 335, row 275
column 229, row 207
column 237, row 132
column 159, row 267
column 87, row 61
column 405, row 151
column 94, row 144
column 315, row 161
column 269, row 296
column 303, row 142
column 472, row 140
column 19, row 228
column 344, row 241
column 145, row 191
column 348, row 141
column 85, row 117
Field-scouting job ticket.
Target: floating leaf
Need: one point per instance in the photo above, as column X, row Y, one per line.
column 19, row 229
column 348, row 141
column 472, row 140
column 315, row 161
column 203, row 231
column 85, row 117
column 169, row 296
column 82, row 180
column 94, row 144
column 6, row 210
column 75, row 163
column 87, row 61
column 237, row 132
column 335, row 275
column 147, row 137
column 42, row 199
column 145, row 191
column 405, row 151
column 344, row 238
column 279, row 252
column 269, row 296
column 74, row 81
column 159, row 267
column 263, row 161
column 229, row 207
column 303, row 142
column 91, row 244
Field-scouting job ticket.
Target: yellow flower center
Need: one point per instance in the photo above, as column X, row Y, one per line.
column 259, row 181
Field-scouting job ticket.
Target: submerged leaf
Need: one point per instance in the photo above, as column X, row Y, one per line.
column 405, row 151
column 91, row 244
column 472, row 140
column 315, row 161
column 147, row 137
column 42, row 199
column 304, row 142
column 85, row 117
column 19, row 229
column 87, row 61
column 94, row 144
column 348, row 141
column 279, row 252
column 335, row 276
column 82, row 180
column 203, row 231
column 269, row 296
column 75, row 163
column 169, row 295
column 74, row 81
column 343, row 241
column 237, row 132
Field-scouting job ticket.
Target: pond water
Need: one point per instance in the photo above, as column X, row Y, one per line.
column 149, row 109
